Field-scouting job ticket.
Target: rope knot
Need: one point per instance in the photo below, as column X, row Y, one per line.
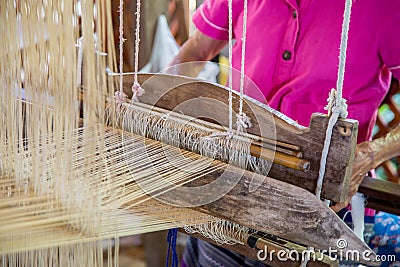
column 120, row 98
column 137, row 91
column 336, row 105
column 243, row 122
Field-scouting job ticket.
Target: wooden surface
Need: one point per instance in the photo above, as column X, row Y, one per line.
column 276, row 207
column 381, row 195
column 209, row 101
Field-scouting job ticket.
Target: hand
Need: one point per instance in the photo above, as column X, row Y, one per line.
column 364, row 161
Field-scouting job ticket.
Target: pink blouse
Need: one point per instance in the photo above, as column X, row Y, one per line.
column 292, row 53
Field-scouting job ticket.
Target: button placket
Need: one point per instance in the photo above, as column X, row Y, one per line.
column 287, row 55
column 294, row 14
column 285, row 63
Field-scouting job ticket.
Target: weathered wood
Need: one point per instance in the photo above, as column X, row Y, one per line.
column 263, row 149
column 209, row 101
column 381, row 195
column 276, row 207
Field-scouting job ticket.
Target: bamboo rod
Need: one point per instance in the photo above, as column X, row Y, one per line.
column 219, row 127
column 284, row 154
column 280, row 158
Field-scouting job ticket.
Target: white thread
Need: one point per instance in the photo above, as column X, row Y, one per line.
column 243, row 121
column 336, row 104
column 137, row 40
column 121, row 43
column 227, row 135
column 79, row 44
column 343, row 49
column 230, row 81
column 120, row 97
column 137, row 90
column 243, row 56
column 80, row 61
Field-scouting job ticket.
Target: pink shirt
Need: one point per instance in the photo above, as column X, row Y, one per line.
column 292, row 52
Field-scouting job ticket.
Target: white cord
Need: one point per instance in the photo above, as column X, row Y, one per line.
column 120, row 96
column 243, row 56
column 337, row 106
column 230, row 81
column 137, row 39
column 243, row 121
column 137, row 90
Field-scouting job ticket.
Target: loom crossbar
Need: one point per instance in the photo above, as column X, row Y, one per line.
column 208, row 101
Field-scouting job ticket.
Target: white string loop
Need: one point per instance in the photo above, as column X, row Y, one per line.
column 120, row 97
column 243, row 121
column 230, row 78
column 137, row 90
column 227, row 135
column 337, row 106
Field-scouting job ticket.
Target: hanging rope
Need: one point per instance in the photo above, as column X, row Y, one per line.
column 243, row 122
column 120, row 96
column 229, row 134
column 230, row 81
column 337, row 106
column 137, row 90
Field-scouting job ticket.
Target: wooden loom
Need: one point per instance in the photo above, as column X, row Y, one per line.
column 275, row 207
column 282, row 205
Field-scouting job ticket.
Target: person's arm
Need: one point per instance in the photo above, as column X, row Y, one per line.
column 197, row 49
column 370, row 155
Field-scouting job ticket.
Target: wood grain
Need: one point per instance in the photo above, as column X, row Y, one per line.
column 381, row 195
column 276, row 207
column 209, row 101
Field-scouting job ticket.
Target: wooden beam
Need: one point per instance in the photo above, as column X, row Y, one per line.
column 381, row 195
column 202, row 99
column 276, row 207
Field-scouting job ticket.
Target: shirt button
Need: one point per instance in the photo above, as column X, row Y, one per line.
column 287, row 55
column 294, row 14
